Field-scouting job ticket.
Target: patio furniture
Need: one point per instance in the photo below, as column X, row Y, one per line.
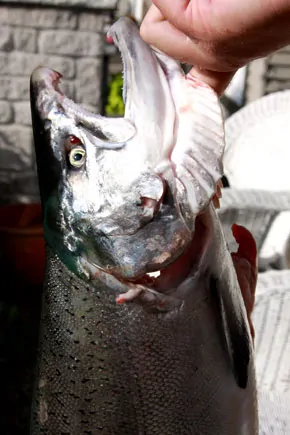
column 257, row 210
column 256, row 162
column 271, row 319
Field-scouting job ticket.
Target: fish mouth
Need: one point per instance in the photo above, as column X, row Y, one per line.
column 163, row 289
column 174, row 274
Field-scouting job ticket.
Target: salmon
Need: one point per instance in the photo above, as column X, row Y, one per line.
column 144, row 329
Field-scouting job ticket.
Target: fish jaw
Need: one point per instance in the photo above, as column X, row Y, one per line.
column 49, row 105
column 146, row 93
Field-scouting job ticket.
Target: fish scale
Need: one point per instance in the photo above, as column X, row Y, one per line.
column 112, row 369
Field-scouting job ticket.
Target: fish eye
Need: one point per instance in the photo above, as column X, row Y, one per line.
column 77, row 157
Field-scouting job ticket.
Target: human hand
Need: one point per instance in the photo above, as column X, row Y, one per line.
column 217, row 36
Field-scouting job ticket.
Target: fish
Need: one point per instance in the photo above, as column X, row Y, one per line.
column 144, row 329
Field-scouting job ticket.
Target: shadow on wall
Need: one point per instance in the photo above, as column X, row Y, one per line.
column 18, row 178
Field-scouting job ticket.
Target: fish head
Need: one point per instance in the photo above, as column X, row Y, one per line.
column 111, row 198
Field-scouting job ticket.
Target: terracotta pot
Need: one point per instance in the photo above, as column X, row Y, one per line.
column 21, row 241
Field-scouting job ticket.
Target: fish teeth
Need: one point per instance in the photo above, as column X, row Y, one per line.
column 154, row 274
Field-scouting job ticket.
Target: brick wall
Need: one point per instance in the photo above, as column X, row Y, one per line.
column 70, row 40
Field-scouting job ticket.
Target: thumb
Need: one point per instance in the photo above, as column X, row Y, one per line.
column 218, row 81
column 180, row 13
column 162, row 34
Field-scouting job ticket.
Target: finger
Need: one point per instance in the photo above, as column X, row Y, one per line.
column 219, row 189
column 170, row 9
column 218, row 81
column 167, row 38
column 156, row 31
column 176, row 11
column 187, row 15
column 153, row 15
column 245, row 262
column 216, row 202
column 247, row 283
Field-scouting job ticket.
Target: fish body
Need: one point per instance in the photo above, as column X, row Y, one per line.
column 121, row 351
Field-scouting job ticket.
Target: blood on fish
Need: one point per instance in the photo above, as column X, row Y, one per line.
column 74, row 140
column 184, row 109
column 56, row 77
column 120, row 300
column 195, row 82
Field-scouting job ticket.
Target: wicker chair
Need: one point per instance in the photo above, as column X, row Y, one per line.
column 256, row 163
column 257, row 210
column 272, row 346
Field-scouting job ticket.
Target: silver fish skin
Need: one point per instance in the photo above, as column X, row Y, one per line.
column 143, row 328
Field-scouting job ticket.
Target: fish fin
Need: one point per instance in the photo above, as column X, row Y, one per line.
column 245, row 262
column 199, row 147
column 200, row 140
column 237, row 340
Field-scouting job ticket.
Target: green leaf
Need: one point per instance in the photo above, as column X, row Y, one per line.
column 115, row 105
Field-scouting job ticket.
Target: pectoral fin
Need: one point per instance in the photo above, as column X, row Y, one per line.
column 234, row 329
column 238, row 341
